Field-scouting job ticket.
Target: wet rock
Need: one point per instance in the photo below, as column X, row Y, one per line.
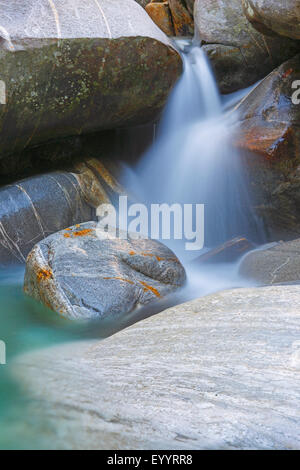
column 227, row 252
column 182, row 17
column 240, row 54
column 143, row 3
column 274, row 16
column 81, row 276
column 72, row 68
column 269, row 128
column 221, row 372
column 160, row 13
column 279, row 263
column 36, row 207
column 190, row 6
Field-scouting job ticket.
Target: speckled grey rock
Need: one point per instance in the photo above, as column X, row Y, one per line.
column 81, row 276
column 29, row 208
column 221, row 372
column 239, row 53
column 277, row 263
column 72, row 67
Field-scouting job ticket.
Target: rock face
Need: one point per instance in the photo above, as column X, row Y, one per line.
column 275, row 264
column 29, row 208
column 240, row 54
column 274, row 16
column 270, row 127
column 81, row 276
column 221, row 372
column 71, row 68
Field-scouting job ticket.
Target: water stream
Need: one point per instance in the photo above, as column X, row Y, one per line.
column 192, row 161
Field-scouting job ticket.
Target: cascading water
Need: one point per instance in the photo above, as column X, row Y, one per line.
column 193, row 160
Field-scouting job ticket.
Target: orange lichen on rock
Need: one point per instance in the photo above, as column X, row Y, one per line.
column 144, row 284
column 150, row 288
column 44, row 274
column 288, row 73
column 67, row 235
column 83, row 233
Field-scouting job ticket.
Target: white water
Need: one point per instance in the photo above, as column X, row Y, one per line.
column 194, row 161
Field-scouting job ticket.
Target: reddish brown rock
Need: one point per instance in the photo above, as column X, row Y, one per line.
column 270, row 130
column 182, row 18
column 270, row 121
column 161, row 15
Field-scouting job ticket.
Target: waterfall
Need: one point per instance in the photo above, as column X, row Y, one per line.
column 194, row 161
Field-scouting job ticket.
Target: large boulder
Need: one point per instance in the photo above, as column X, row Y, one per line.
column 221, row 372
column 72, row 67
column 277, row 263
column 29, row 208
column 80, row 275
column 240, row 54
column 279, row 16
column 269, row 127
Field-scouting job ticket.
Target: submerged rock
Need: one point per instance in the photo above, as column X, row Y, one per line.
column 36, row 207
column 81, row 276
column 74, row 67
column 228, row 252
column 279, row 263
column 269, row 127
column 274, row 16
column 240, row 55
column 221, row 372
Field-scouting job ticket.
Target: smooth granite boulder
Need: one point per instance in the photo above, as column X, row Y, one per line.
column 82, row 276
column 33, row 208
column 71, row 67
column 274, row 264
column 269, row 130
column 221, row 372
column 239, row 53
column 274, row 16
